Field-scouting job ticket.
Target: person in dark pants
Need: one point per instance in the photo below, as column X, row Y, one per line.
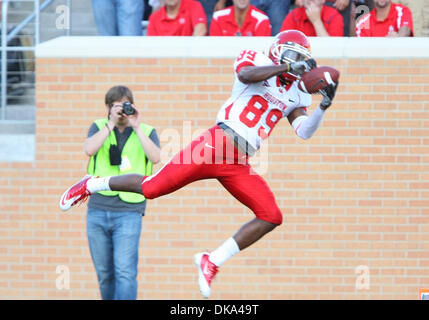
column 344, row 7
column 118, row 17
column 276, row 10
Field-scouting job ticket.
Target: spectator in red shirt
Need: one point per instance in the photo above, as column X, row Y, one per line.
column 344, row 7
column 178, row 18
column 314, row 18
column 241, row 19
column 276, row 10
column 387, row 19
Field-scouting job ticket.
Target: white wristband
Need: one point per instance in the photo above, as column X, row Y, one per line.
column 306, row 126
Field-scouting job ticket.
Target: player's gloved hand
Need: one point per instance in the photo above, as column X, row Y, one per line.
column 300, row 67
column 328, row 94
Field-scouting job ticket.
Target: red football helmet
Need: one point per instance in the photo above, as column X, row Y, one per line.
column 294, row 46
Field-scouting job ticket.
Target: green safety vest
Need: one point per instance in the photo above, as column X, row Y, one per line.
column 134, row 160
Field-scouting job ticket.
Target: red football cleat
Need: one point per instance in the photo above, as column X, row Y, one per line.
column 206, row 272
column 75, row 194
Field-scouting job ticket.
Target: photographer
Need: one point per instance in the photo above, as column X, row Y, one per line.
column 119, row 144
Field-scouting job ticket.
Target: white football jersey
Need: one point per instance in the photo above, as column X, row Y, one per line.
column 254, row 109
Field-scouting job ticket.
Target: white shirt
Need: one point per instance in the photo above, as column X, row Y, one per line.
column 254, row 109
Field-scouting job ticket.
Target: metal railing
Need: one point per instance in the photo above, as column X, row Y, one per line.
column 6, row 38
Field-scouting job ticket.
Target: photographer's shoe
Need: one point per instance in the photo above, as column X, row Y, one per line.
column 78, row 193
column 206, row 272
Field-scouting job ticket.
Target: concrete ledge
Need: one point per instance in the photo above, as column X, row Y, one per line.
column 17, row 126
column 17, row 147
column 225, row 47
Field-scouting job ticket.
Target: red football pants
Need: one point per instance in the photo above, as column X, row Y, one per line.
column 213, row 156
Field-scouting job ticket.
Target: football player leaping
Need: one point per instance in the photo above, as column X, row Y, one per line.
column 265, row 90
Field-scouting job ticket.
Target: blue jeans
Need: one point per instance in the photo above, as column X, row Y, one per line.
column 114, row 243
column 276, row 10
column 118, row 17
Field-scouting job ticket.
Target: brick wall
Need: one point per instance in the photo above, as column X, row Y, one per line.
column 356, row 194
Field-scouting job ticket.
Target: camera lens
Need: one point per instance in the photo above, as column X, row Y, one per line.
column 128, row 109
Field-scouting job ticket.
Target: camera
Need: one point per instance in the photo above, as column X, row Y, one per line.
column 128, row 109
column 115, row 155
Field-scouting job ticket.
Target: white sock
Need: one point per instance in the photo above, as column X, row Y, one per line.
column 98, row 184
column 224, row 252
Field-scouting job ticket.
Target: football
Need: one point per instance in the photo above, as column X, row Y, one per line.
column 318, row 78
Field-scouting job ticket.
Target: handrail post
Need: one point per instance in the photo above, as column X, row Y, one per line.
column 3, row 100
column 27, row 20
column 37, row 22
column 68, row 31
column 7, row 37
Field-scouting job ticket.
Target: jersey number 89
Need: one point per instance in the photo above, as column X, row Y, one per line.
column 253, row 112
